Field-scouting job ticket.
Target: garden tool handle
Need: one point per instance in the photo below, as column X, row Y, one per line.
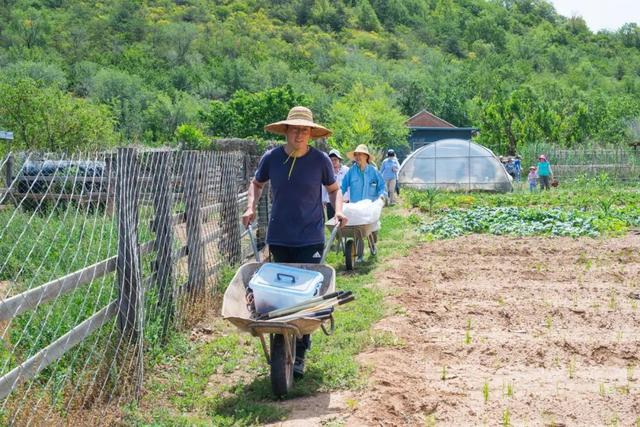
column 327, row 247
column 254, row 245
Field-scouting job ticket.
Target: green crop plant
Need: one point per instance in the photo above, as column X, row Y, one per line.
column 630, row 370
column 467, row 333
column 509, row 391
column 548, row 321
column 571, row 368
column 602, row 390
column 613, row 303
column 443, row 373
column 485, row 391
column 506, row 418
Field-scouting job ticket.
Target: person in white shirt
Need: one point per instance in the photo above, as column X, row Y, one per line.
column 339, row 171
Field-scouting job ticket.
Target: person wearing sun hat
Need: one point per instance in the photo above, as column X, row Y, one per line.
column 297, row 172
column 363, row 181
column 532, row 178
column 544, row 172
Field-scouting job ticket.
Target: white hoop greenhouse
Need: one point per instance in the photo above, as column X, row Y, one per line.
column 454, row 164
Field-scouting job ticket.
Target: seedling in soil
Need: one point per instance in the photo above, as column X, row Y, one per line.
column 602, row 390
column 430, row 421
column 500, row 301
column 509, row 391
column 614, row 421
column 624, row 390
column 485, row 391
column 619, row 336
column 613, row 304
column 634, row 306
column 630, row 369
column 548, row 321
column 352, row 404
column 506, row 418
column 443, row 375
column 467, row 334
column 571, row 369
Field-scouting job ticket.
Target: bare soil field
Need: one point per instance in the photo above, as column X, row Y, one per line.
column 501, row 331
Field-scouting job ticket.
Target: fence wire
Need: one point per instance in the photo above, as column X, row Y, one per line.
column 102, row 257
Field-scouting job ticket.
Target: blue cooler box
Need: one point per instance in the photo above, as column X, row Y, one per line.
column 278, row 286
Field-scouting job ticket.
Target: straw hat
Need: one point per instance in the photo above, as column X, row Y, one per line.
column 359, row 149
column 298, row 116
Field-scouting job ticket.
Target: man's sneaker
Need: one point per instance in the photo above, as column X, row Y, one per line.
column 360, row 259
column 298, row 368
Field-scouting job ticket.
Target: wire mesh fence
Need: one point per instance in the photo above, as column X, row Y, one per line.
column 101, row 257
column 619, row 163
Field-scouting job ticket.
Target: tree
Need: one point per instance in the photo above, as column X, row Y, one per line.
column 366, row 16
column 367, row 116
column 126, row 95
column 246, row 114
column 516, row 118
column 48, row 119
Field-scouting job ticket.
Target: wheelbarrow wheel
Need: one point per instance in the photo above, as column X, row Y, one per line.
column 282, row 363
column 350, row 254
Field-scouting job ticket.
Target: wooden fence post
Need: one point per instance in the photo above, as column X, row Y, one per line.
column 108, row 186
column 130, row 296
column 162, row 202
column 192, row 172
column 229, row 243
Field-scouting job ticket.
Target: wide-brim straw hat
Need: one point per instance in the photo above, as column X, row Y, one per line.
column 359, row 149
column 298, row 116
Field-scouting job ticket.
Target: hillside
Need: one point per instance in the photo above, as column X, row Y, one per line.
column 160, row 71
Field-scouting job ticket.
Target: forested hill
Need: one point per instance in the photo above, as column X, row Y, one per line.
column 89, row 73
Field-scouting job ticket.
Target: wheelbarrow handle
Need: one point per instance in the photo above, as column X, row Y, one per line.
column 327, row 247
column 254, row 245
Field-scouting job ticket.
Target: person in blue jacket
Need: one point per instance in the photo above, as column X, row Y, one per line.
column 363, row 181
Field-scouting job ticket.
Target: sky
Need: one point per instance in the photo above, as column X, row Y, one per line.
column 601, row 14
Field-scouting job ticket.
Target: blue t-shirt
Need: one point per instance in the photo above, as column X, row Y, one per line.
column 297, row 218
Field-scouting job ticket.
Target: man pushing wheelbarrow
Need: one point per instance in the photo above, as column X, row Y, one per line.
column 297, row 173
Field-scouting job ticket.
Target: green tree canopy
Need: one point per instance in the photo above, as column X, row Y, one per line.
column 246, row 114
column 48, row 119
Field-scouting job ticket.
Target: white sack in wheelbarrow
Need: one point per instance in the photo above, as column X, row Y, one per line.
column 363, row 212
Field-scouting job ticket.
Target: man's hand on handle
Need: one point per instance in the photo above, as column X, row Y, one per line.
column 341, row 218
column 248, row 217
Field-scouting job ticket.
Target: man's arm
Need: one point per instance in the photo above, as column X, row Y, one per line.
column 253, row 195
column 335, row 196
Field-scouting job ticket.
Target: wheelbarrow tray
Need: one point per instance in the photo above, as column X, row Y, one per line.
column 234, row 306
column 353, row 231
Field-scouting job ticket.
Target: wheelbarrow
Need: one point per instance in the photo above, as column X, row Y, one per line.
column 281, row 351
column 352, row 235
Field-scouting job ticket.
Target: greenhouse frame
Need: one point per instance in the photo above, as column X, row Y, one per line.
column 456, row 165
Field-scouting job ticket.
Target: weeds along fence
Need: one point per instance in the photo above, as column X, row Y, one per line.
column 102, row 257
column 619, row 163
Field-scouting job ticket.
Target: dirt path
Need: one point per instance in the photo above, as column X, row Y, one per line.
column 534, row 331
